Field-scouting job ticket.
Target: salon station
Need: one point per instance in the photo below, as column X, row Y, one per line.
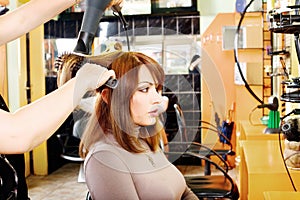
column 231, row 75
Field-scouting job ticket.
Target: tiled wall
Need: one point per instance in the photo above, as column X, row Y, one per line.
column 186, row 87
column 68, row 25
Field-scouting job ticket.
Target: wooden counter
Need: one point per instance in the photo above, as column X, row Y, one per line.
column 254, row 132
column 247, row 131
column 262, row 169
column 281, row 195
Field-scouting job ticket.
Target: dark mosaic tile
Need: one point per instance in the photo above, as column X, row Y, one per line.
column 129, row 25
column 140, row 26
column 69, row 29
column 78, row 25
column 155, row 31
column 113, row 29
column 185, row 83
column 47, row 30
column 155, row 22
column 59, row 29
column 188, row 116
column 129, row 29
column 155, row 26
column 184, row 25
column 170, row 25
column 197, row 137
column 171, row 82
column 197, row 105
column 192, row 133
column 197, row 82
column 186, row 100
column 196, row 25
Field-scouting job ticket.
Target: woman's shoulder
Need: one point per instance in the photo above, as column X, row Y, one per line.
column 106, row 143
column 105, row 147
column 102, row 146
column 107, row 155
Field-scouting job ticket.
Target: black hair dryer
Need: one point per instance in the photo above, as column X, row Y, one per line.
column 90, row 23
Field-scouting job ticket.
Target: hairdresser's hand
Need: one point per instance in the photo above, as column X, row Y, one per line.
column 93, row 76
column 90, row 77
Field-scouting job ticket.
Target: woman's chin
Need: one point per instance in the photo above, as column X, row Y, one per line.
column 149, row 122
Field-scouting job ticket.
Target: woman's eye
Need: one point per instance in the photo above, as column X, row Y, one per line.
column 145, row 90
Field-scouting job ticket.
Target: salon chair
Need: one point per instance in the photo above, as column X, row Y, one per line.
column 70, row 145
column 224, row 148
column 181, row 143
column 213, row 186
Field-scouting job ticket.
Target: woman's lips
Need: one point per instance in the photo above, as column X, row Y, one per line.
column 154, row 113
column 156, row 110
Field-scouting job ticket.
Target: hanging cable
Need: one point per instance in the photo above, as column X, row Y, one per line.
column 236, row 39
column 284, row 163
column 117, row 12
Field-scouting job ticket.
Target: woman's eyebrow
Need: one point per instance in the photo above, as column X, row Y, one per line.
column 146, row 82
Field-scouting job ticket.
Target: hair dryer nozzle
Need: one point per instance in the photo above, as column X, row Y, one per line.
column 84, row 43
column 3, row 10
column 90, row 22
column 272, row 106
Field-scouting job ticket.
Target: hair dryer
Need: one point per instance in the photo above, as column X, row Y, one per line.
column 3, row 10
column 91, row 19
column 272, row 106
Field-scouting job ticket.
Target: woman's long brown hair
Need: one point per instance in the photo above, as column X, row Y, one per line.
column 112, row 116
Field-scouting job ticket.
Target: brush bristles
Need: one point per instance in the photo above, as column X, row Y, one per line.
column 73, row 61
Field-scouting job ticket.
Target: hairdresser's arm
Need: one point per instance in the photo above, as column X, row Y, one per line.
column 32, row 124
column 28, row 16
column 29, row 126
column 32, row 14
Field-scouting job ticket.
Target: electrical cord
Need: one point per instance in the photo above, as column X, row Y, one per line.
column 117, row 12
column 295, row 111
column 236, row 53
column 250, row 117
column 284, row 163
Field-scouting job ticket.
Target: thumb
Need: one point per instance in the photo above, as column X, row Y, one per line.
column 105, row 77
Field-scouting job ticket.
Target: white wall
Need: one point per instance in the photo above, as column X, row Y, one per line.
column 210, row 8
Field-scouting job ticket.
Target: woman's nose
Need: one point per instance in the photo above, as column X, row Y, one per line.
column 156, row 97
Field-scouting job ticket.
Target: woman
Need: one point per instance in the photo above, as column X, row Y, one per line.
column 121, row 145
